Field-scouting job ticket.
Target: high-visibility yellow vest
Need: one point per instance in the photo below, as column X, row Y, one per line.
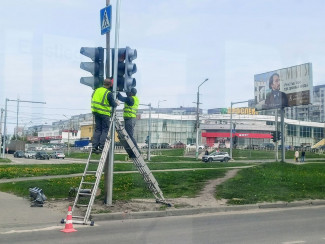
column 131, row 111
column 99, row 102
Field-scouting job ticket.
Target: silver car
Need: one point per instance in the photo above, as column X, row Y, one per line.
column 216, row 156
column 30, row 154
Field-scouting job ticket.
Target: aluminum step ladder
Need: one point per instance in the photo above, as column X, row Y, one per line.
column 90, row 180
column 89, row 183
column 139, row 162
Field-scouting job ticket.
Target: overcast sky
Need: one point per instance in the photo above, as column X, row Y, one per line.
column 179, row 44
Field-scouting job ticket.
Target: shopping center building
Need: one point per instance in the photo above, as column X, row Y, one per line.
column 250, row 128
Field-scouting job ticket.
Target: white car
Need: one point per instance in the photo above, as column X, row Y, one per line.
column 30, row 154
column 216, row 156
column 57, row 155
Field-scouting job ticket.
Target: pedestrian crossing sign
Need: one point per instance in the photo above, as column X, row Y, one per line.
column 106, row 19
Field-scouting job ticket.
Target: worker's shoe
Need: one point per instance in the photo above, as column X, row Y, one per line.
column 94, row 150
column 100, row 150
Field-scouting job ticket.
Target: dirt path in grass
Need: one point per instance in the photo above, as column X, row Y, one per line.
column 206, row 198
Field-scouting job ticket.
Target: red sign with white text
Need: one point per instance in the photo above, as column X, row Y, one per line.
column 241, row 135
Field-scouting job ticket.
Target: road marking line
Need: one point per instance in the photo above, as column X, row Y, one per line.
column 34, row 230
column 293, row 242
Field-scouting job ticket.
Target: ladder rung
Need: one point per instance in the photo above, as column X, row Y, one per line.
column 93, row 161
column 82, row 205
column 88, row 183
column 78, row 217
column 91, row 172
column 85, row 194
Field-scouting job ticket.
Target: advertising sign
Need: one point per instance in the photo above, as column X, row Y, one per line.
column 285, row 87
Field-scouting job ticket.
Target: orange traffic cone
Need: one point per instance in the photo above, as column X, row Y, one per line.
column 68, row 223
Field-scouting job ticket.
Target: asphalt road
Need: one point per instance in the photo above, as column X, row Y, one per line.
column 285, row 226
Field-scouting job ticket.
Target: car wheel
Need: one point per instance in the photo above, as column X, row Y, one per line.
column 210, row 160
column 226, row 160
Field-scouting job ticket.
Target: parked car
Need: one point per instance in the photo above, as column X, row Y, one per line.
column 30, row 154
column 42, row 155
column 268, row 146
column 216, row 156
column 164, row 145
column 19, row 154
column 57, row 154
column 179, row 145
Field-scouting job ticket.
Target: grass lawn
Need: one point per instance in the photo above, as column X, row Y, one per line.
column 15, row 171
column 126, row 186
column 5, row 160
column 272, row 182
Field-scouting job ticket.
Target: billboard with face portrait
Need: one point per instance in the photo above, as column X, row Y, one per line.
column 286, row 87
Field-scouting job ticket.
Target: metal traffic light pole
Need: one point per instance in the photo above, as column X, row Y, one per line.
column 109, row 179
column 232, row 103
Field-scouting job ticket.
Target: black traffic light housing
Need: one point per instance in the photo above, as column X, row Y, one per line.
column 125, row 68
column 96, row 68
column 274, row 136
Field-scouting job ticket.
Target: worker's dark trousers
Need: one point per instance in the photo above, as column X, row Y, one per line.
column 101, row 130
column 129, row 124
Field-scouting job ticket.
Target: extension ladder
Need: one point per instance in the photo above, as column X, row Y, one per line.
column 90, row 179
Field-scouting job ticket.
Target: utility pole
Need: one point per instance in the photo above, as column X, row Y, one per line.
column 198, row 120
column 5, row 124
column 282, row 136
column 231, row 126
column 108, row 184
column 158, row 144
column 276, row 133
column 149, row 130
column 1, row 119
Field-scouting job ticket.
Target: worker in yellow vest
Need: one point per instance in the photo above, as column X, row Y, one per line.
column 102, row 102
column 131, row 104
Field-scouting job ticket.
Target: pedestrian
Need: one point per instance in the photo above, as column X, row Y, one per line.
column 207, row 152
column 302, row 158
column 131, row 104
column 102, row 102
column 297, row 155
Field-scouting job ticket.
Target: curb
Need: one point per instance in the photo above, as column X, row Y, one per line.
column 195, row 211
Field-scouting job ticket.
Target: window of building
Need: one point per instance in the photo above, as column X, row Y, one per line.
column 318, row 133
column 305, row 131
column 292, row 130
column 269, row 122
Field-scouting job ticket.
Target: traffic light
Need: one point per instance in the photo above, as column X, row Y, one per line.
column 147, row 140
column 274, row 136
column 278, row 136
column 125, row 68
column 235, row 140
column 96, row 68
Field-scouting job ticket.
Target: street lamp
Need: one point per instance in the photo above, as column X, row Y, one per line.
column 197, row 119
column 159, row 101
column 231, row 125
column 149, row 130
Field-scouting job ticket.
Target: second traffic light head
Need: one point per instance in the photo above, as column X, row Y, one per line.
column 125, row 68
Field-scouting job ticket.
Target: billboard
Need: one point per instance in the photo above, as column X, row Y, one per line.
column 285, row 87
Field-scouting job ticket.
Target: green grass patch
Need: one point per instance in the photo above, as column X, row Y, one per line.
column 241, row 154
column 126, row 186
column 171, row 159
column 5, row 160
column 272, row 182
column 15, row 171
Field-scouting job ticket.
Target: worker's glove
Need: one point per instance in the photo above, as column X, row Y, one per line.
column 117, row 102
